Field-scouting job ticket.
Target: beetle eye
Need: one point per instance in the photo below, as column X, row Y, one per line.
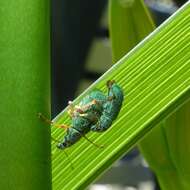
column 61, row 145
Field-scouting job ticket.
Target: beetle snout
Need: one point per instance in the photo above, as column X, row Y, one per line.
column 61, row 146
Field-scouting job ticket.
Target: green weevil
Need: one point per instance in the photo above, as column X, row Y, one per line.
column 111, row 107
column 95, row 112
column 83, row 116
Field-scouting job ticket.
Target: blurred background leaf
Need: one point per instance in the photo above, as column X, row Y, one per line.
column 130, row 22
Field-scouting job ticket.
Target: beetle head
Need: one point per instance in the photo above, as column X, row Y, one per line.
column 61, row 145
column 110, row 83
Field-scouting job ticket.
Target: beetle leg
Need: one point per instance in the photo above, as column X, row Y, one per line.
column 61, row 126
column 91, row 117
column 109, row 86
column 110, row 83
column 84, row 115
column 71, row 109
column 46, row 120
column 110, row 98
column 96, row 127
column 87, row 106
column 81, row 110
column 97, row 145
column 75, row 109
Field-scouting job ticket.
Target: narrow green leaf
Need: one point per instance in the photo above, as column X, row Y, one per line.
column 24, row 91
column 155, row 77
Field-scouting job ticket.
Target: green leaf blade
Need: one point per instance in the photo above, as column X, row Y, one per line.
column 155, row 77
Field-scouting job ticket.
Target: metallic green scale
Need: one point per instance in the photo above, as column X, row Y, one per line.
column 111, row 107
column 81, row 124
column 98, row 113
column 96, row 108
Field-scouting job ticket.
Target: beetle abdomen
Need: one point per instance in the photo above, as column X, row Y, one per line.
column 102, row 125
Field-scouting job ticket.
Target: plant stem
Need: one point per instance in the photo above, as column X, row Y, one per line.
column 24, row 91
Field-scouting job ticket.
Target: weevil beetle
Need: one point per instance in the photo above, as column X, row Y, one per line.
column 95, row 112
column 111, row 107
column 84, row 115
